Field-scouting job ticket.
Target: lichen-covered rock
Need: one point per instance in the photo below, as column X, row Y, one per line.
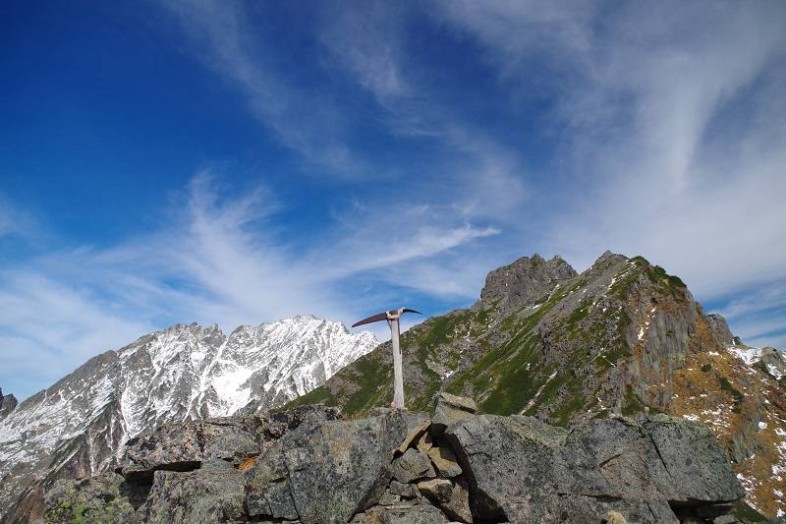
column 330, row 471
column 522, row 470
column 210, row 495
column 98, row 499
column 418, row 513
column 184, row 446
column 697, row 469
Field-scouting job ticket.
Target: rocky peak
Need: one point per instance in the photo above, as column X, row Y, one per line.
column 524, row 281
column 720, row 328
column 7, row 404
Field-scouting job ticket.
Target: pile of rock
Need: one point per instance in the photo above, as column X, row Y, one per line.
column 310, row 466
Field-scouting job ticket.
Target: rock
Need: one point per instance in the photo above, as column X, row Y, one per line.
column 695, row 463
column 445, row 461
column 613, row 517
column 720, row 328
column 438, row 490
column 523, row 282
column 522, row 470
column 183, row 447
column 509, row 462
column 7, row 404
column 415, row 436
column 450, row 409
column 457, row 508
column 329, row 471
column 405, row 491
column 97, row 499
column 412, row 465
column 197, row 496
column 404, row 514
column 425, row 443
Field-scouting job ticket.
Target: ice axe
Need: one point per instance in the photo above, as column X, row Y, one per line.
column 392, row 317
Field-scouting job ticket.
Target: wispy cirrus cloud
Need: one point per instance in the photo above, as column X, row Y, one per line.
column 665, row 104
column 220, row 259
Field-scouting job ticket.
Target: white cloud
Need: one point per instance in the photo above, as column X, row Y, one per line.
column 220, row 260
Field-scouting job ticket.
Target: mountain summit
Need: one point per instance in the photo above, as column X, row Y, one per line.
column 622, row 338
column 79, row 426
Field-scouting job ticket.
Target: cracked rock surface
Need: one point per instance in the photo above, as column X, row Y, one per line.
column 311, row 466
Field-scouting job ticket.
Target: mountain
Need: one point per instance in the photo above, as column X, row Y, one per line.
column 7, row 404
column 621, row 338
column 78, row 427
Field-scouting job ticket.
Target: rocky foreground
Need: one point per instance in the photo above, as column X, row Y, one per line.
column 310, row 465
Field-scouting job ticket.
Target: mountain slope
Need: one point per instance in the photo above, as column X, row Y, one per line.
column 78, row 426
column 622, row 337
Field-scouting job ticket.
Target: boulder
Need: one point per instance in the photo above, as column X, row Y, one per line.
column 697, row 469
column 329, row 471
column 522, row 470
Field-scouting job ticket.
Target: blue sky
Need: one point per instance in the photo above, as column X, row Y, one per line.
column 239, row 162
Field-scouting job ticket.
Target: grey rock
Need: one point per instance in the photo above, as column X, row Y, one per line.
column 773, row 362
column 405, row 491
column 7, row 404
column 183, row 447
column 695, row 463
column 403, row 514
column 457, row 508
column 310, row 462
column 509, row 462
column 524, row 281
column 720, row 328
column 197, row 496
column 450, row 409
column 522, row 470
column 412, row 465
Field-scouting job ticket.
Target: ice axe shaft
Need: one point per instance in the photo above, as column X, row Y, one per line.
column 392, row 317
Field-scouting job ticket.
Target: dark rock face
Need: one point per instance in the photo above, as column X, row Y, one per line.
column 391, row 468
column 7, row 404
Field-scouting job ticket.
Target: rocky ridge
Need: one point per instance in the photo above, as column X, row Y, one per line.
column 78, row 427
column 622, row 338
column 7, row 404
column 310, row 465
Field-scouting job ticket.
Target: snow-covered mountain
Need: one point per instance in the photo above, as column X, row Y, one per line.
column 79, row 425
